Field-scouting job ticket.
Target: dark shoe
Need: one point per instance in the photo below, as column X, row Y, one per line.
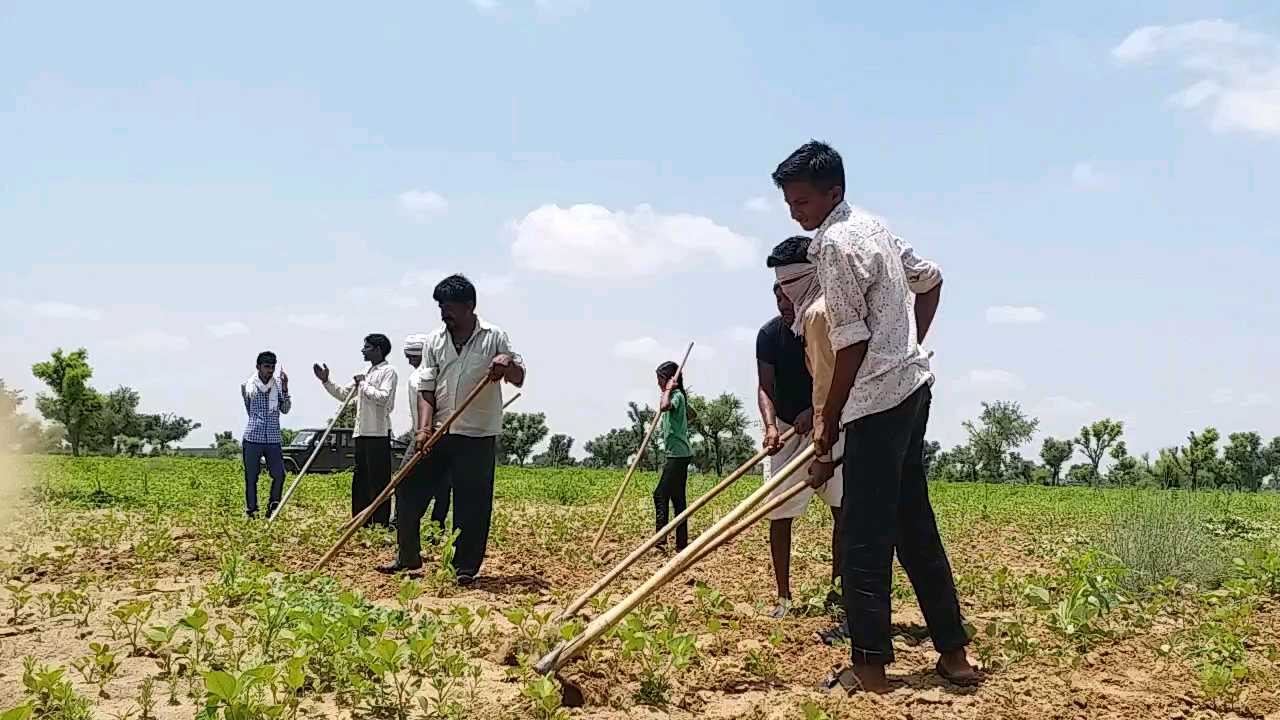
column 396, row 567
column 466, row 579
column 780, row 610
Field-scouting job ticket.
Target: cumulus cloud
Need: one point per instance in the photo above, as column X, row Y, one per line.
column 1235, row 71
column 422, row 205
column 760, row 204
column 227, row 329
column 594, row 241
column 1014, row 315
column 992, row 380
column 50, row 310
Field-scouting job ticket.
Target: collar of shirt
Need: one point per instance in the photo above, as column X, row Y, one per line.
column 838, row 213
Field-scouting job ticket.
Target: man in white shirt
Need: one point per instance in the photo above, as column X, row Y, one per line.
column 375, row 399
column 413, row 347
column 881, row 299
column 456, row 358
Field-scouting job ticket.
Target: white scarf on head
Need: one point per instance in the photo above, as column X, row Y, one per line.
column 800, row 284
column 255, row 384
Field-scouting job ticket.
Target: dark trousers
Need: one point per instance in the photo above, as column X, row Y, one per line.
column 253, row 454
column 886, row 507
column 469, row 463
column 373, row 472
column 671, row 490
column 439, row 502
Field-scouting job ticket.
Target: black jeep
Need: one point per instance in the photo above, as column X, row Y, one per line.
column 338, row 453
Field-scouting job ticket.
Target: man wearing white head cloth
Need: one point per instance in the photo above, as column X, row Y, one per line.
column 413, row 346
column 784, row 349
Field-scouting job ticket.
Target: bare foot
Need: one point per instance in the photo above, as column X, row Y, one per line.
column 871, row 678
column 954, row 667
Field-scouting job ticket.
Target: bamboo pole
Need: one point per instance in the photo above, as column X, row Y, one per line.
column 514, row 398
column 307, row 466
column 626, row 480
column 356, row 522
column 647, row 545
column 755, row 517
column 563, row 652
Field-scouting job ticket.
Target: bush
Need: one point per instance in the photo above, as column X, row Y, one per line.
column 1162, row 535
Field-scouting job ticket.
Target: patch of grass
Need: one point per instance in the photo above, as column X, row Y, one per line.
column 1164, row 535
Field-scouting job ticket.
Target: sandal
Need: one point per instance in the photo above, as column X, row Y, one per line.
column 834, row 635
column 846, row 679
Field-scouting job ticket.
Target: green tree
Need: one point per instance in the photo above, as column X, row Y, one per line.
column 1019, row 469
column 1001, row 428
column 1166, row 471
column 73, row 403
column 520, row 432
column 1080, row 474
column 558, row 454
column 346, row 418
column 164, row 429
column 1245, row 459
column 932, row 449
column 1271, row 456
column 117, row 422
column 287, row 435
column 1199, row 459
column 226, row 444
column 22, row 434
column 1055, row 453
column 1126, row 470
column 1094, row 441
column 722, row 424
column 611, row 449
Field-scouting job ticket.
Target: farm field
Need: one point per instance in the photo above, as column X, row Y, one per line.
column 134, row 588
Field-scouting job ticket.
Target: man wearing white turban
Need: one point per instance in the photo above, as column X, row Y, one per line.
column 413, row 346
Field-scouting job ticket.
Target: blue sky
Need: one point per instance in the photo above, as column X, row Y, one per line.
column 181, row 187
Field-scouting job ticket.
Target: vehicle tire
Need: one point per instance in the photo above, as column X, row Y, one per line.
column 292, row 465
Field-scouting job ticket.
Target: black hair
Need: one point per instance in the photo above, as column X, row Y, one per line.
column 667, row 369
column 816, row 163
column 380, row 341
column 266, row 357
column 792, row 251
column 455, row 289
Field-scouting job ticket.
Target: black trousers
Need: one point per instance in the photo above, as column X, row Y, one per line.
column 373, row 472
column 886, row 507
column 439, row 502
column 672, row 487
column 469, row 463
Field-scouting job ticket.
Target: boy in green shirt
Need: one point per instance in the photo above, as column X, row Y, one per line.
column 671, row 488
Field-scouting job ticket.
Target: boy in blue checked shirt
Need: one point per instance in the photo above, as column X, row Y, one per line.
column 264, row 398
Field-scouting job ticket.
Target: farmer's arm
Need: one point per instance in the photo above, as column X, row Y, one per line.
column 382, row 391
column 426, row 390
column 924, row 277
column 507, row 364
column 845, row 275
column 286, row 404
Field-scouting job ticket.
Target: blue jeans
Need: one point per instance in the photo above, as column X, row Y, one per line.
column 253, row 454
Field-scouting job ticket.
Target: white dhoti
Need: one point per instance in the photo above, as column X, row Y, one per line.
column 830, row 493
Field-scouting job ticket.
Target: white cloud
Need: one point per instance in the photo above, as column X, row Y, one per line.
column 1236, row 71
column 991, row 380
column 391, row 297
column 593, row 241
column 315, row 321
column 760, row 204
column 1086, row 176
column 422, row 205
column 1015, row 315
column 50, row 310
column 488, row 7
column 638, row 348
column 227, row 329
column 150, row 341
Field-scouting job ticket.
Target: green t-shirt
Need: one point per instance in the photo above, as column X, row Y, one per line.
column 675, row 427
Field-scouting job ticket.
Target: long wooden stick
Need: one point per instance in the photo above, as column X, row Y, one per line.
column 647, row 545
column 307, row 466
column 644, row 444
column 755, row 516
column 359, row 520
column 515, row 397
column 563, row 652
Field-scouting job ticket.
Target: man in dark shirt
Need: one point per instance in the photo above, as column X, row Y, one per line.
column 785, row 396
